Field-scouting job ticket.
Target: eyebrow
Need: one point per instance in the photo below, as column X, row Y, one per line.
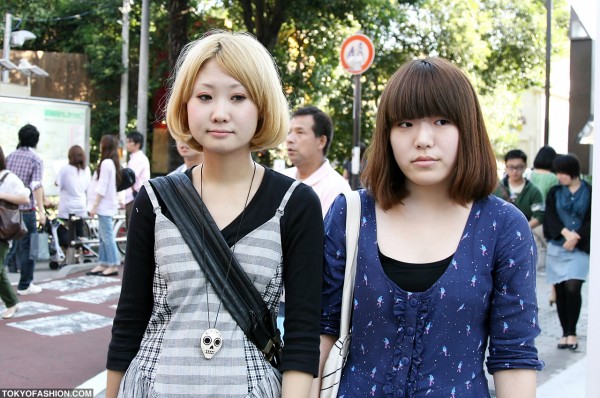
column 209, row 85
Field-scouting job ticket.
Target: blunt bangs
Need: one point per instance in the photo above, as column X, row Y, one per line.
column 429, row 88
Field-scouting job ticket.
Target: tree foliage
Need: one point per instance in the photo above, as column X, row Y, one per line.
column 499, row 43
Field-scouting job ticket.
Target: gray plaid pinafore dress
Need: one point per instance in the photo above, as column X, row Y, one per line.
column 169, row 361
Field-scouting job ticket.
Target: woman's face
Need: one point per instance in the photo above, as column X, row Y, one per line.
column 564, row 179
column 221, row 116
column 425, row 149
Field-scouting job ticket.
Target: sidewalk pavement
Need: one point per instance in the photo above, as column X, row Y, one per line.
column 564, row 375
column 570, row 383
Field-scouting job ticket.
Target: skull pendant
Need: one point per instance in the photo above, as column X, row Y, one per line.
column 211, row 342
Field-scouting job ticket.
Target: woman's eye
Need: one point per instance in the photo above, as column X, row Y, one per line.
column 404, row 124
column 443, row 122
column 238, row 98
column 204, row 97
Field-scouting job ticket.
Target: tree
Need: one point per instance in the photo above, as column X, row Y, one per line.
column 58, row 27
column 499, row 43
column 179, row 11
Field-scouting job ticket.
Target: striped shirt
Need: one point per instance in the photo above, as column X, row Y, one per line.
column 29, row 167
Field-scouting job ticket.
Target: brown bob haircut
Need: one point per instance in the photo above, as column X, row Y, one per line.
column 77, row 157
column 242, row 57
column 424, row 88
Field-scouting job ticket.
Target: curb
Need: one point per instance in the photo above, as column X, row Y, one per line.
column 73, row 268
column 567, row 384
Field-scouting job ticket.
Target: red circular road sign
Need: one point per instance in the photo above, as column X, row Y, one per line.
column 357, row 53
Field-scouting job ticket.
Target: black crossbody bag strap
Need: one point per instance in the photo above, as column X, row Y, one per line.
column 239, row 296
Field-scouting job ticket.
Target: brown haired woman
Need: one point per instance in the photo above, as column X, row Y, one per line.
column 11, row 190
column 73, row 179
column 442, row 265
column 103, row 201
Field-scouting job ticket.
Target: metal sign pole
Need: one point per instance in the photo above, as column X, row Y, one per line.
column 354, row 183
column 356, row 55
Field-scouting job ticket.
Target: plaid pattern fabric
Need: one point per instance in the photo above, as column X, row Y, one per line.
column 170, row 361
column 29, row 167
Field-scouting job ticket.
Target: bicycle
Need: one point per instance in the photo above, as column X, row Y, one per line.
column 83, row 248
column 90, row 232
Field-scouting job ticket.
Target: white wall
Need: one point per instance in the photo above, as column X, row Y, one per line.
column 593, row 332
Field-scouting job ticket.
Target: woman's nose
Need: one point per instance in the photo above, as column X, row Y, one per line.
column 424, row 136
column 220, row 111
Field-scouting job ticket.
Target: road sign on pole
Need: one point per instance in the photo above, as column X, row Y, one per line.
column 356, row 56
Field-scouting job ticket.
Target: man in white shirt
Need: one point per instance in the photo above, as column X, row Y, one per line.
column 309, row 139
column 191, row 157
column 139, row 163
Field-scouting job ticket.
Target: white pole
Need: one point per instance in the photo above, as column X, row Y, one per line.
column 593, row 332
column 6, row 49
column 142, row 109
column 123, row 105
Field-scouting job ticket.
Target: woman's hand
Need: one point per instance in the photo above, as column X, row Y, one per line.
column 327, row 341
column 571, row 239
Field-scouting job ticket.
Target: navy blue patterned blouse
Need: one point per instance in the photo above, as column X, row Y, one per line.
column 432, row 344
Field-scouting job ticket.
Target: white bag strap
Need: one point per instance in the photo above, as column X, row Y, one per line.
column 352, row 230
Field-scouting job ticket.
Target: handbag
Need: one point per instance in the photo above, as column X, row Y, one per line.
column 127, row 179
column 12, row 226
column 244, row 303
column 39, row 248
column 332, row 370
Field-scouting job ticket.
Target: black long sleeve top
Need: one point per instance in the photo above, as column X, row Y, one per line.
column 302, row 239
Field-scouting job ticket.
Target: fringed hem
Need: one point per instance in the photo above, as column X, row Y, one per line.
column 134, row 384
column 268, row 387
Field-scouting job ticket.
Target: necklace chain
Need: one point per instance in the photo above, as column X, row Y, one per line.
column 232, row 249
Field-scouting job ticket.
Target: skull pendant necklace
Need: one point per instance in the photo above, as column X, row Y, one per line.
column 212, row 340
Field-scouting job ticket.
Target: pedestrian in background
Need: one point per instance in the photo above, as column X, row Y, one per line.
column 226, row 100
column 191, row 157
column 542, row 175
column 139, row 163
column 104, row 202
column 520, row 191
column 443, row 266
column 11, row 190
column 308, row 141
column 73, row 180
column 567, row 229
column 543, row 178
column 29, row 167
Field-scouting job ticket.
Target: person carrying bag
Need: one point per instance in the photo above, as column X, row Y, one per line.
column 12, row 194
column 12, row 226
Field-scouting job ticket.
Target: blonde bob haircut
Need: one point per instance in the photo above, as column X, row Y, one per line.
column 425, row 88
column 242, row 57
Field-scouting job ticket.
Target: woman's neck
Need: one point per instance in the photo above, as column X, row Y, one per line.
column 226, row 169
column 428, row 196
column 574, row 185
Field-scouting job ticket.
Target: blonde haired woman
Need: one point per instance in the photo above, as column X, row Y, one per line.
column 226, row 100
